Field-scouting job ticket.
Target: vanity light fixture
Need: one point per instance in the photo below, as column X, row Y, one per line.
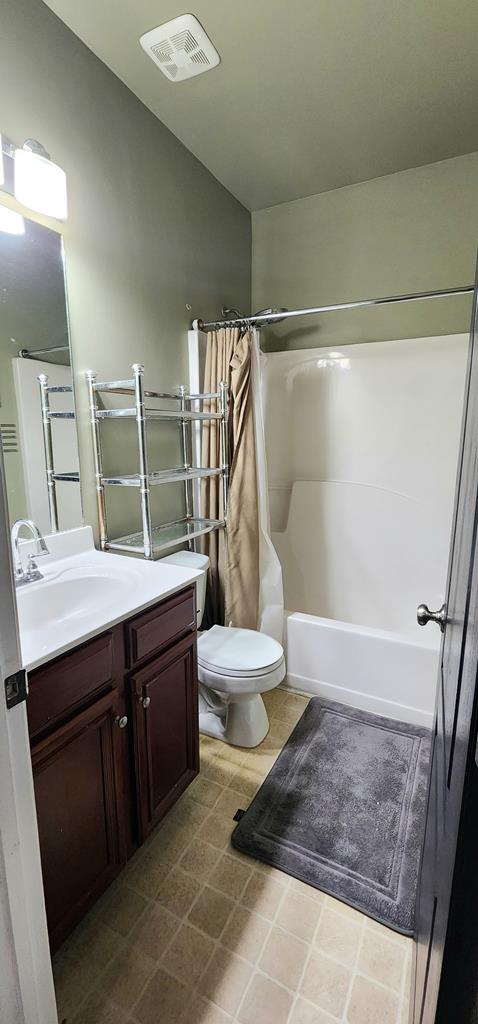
column 11, row 222
column 38, row 182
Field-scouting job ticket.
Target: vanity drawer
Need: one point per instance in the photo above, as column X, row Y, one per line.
column 63, row 685
column 152, row 631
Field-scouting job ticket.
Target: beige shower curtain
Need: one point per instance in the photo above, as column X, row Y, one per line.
column 234, row 554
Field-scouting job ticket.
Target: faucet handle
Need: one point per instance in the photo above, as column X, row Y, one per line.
column 43, row 550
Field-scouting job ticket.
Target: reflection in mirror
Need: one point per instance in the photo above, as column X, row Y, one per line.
column 34, row 341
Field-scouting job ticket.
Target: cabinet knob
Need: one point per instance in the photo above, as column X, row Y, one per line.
column 145, row 701
column 121, row 721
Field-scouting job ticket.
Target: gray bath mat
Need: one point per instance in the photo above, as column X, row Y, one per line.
column 343, row 809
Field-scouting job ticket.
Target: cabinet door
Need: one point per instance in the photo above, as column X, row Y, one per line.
column 166, row 731
column 77, row 778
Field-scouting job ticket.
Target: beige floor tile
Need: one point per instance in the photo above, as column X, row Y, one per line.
column 291, row 709
column 299, row 915
column 245, row 934
column 211, row 912
column 201, row 1011
column 326, row 983
column 73, row 980
column 273, row 743
column 263, row 894
column 145, row 873
column 170, row 843
column 260, row 762
column 246, row 782
column 220, row 771
column 94, row 943
column 343, row 908
column 205, row 792
column 188, row 955
column 371, row 1004
column 230, row 876
column 178, row 892
column 295, row 885
column 229, row 802
column 231, row 851
column 265, row 1003
column 235, row 755
column 404, row 1012
column 163, row 1001
column 126, row 977
column 98, row 1009
column 187, row 812
column 382, row 960
column 225, row 980
column 283, row 958
column 388, row 933
column 210, row 743
column 199, row 859
column 154, row 931
column 217, row 830
column 306, row 1013
column 280, row 730
column 273, row 699
column 206, row 756
column 120, row 908
column 338, row 936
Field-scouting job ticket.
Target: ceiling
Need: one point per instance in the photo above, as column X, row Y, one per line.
column 309, row 96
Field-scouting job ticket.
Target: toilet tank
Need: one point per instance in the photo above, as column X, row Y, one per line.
column 193, row 560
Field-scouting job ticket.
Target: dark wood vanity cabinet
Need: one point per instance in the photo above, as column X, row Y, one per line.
column 165, row 732
column 114, row 742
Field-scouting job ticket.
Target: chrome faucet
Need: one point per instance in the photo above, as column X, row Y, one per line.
column 32, row 572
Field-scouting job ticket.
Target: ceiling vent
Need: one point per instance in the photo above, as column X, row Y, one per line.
column 180, row 48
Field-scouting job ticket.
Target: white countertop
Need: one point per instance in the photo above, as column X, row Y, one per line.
column 84, row 592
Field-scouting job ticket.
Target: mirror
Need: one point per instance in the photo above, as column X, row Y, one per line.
column 34, row 340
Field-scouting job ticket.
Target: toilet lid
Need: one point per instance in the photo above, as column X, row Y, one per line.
column 238, row 652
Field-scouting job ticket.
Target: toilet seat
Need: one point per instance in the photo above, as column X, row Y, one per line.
column 238, row 653
column 240, row 662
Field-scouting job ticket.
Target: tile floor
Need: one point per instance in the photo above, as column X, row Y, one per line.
column 194, row 933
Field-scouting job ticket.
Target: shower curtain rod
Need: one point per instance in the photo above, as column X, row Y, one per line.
column 271, row 318
column 27, row 353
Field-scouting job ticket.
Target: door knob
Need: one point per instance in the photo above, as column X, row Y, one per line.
column 424, row 615
column 145, row 701
column 121, row 721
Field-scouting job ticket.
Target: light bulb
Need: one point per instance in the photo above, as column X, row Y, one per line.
column 39, row 183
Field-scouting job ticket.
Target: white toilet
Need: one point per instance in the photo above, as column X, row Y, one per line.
column 234, row 667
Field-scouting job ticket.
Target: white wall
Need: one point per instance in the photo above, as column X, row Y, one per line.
column 362, row 446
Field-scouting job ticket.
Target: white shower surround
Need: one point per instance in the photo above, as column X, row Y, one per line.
column 362, row 447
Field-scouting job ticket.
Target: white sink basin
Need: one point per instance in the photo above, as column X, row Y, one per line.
column 72, row 595
column 86, row 592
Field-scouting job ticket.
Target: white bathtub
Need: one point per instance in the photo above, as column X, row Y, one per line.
column 386, row 673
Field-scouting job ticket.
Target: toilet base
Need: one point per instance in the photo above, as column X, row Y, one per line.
column 243, row 723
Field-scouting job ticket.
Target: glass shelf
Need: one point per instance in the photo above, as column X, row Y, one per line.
column 153, row 414
column 167, row 536
column 162, row 476
column 73, row 478
column 127, row 387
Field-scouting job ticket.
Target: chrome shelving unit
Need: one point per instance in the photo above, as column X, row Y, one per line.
column 47, row 415
column 151, row 541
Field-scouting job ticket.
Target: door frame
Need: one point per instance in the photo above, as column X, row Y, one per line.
column 27, row 995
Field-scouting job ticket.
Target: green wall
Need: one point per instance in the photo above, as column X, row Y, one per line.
column 407, row 232
column 149, row 228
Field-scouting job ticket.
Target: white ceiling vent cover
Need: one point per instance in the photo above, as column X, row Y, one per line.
column 180, row 48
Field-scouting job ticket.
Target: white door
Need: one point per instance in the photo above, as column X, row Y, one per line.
column 26, row 986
